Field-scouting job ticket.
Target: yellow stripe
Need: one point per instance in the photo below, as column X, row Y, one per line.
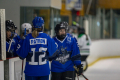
column 101, row 58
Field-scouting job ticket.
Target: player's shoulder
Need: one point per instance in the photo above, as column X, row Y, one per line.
column 54, row 37
column 70, row 36
column 43, row 33
column 46, row 36
column 29, row 34
column 69, row 39
column 84, row 36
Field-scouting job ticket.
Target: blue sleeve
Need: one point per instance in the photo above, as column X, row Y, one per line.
column 17, row 39
column 52, row 46
column 23, row 48
column 75, row 53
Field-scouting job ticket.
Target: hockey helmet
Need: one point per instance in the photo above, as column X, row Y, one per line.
column 26, row 26
column 38, row 22
column 65, row 24
column 15, row 27
column 81, row 30
column 58, row 27
column 10, row 25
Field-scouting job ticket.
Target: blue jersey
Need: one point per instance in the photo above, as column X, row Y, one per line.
column 70, row 35
column 35, row 50
column 69, row 55
column 17, row 39
column 13, row 46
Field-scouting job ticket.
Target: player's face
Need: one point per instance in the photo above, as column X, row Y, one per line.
column 62, row 31
column 8, row 34
column 75, row 30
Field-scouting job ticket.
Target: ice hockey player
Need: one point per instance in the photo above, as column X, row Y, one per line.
column 35, row 47
column 67, row 30
column 26, row 29
column 11, row 43
column 69, row 55
column 84, row 43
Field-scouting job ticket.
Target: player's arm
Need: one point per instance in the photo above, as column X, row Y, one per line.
column 89, row 40
column 76, row 57
column 23, row 48
column 52, row 49
column 80, row 42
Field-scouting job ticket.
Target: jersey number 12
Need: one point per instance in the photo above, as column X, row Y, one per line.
column 40, row 62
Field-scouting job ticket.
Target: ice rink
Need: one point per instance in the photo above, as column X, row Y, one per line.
column 107, row 69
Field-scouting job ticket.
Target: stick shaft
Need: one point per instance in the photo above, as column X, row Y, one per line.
column 22, row 69
column 84, row 76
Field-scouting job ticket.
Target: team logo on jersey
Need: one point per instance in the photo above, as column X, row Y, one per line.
column 38, row 41
column 63, row 58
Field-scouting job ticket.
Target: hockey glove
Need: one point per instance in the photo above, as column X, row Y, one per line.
column 23, row 37
column 79, row 69
column 9, row 54
column 54, row 56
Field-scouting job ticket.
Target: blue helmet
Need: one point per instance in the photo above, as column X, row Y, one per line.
column 38, row 22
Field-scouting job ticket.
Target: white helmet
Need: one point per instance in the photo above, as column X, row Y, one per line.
column 27, row 26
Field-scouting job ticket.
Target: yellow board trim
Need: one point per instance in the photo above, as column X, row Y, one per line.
column 101, row 58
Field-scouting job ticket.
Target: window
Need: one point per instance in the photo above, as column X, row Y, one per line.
column 105, row 25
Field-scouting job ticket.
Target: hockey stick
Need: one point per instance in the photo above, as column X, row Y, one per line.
column 84, row 76
column 78, row 77
column 11, row 42
column 78, row 71
column 22, row 69
column 23, row 60
column 10, row 45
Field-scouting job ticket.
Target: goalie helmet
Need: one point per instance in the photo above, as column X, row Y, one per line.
column 26, row 26
column 38, row 22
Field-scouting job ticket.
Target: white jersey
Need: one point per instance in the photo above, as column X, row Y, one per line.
column 84, row 45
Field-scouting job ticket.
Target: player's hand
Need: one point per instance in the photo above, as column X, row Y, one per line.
column 9, row 54
column 23, row 37
column 80, row 69
column 54, row 56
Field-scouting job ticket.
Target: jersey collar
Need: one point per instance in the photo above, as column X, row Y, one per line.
column 40, row 32
column 62, row 40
